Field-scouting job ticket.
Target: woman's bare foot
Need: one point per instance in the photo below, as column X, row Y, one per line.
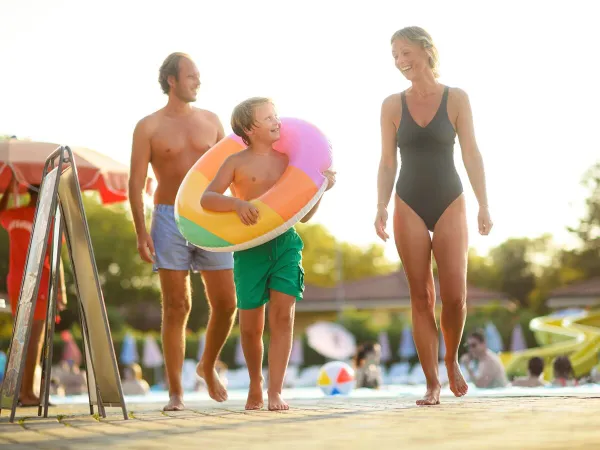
column 255, row 396
column 276, row 403
column 175, row 403
column 457, row 382
column 431, row 397
column 216, row 390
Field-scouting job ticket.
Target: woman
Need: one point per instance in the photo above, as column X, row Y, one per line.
column 423, row 122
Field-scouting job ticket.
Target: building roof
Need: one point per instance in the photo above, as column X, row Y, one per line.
column 581, row 293
column 379, row 291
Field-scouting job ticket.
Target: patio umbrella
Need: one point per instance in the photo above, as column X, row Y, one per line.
column 493, row 338
column 517, row 339
column 297, row 354
column 129, row 353
column 331, row 340
column 98, row 172
column 407, row 348
column 152, row 356
column 384, row 342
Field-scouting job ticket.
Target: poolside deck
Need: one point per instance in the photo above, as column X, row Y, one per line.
column 493, row 422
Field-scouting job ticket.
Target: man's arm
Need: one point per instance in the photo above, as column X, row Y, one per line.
column 140, row 158
column 485, row 374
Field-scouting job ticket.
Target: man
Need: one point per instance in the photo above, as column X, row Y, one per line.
column 484, row 366
column 18, row 222
column 536, row 374
column 172, row 139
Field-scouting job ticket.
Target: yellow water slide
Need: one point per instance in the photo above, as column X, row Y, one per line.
column 577, row 336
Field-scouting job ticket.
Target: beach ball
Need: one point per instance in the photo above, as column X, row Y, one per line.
column 336, row 378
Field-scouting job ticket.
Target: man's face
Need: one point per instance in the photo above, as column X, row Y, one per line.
column 187, row 85
column 475, row 347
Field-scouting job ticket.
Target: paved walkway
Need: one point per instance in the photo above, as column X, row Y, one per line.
column 339, row 423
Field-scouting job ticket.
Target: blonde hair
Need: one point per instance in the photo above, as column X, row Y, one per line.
column 242, row 118
column 419, row 36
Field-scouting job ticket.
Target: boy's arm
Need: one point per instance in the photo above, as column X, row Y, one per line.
column 213, row 198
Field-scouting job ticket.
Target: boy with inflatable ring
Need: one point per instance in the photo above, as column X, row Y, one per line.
column 271, row 271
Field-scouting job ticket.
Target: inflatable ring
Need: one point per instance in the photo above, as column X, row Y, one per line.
column 295, row 193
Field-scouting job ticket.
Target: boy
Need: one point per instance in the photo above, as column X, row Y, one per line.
column 272, row 271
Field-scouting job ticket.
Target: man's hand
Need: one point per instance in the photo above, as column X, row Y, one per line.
column 145, row 247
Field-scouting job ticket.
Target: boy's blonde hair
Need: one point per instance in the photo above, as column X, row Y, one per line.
column 242, row 118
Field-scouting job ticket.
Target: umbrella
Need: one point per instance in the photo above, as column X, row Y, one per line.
column 442, row 347
column 407, row 348
column 26, row 159
column 493, row 338
column 152, row 356
column 71, row 351
column 331, row 340
column 517, row 340
column 384, row 342
column 129, row 354
column 239, row 353
column 297, row 354
column 201, row 345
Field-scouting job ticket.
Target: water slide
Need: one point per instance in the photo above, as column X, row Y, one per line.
column 576, row 335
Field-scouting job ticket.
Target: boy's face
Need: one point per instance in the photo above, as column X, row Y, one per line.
column 266, row 124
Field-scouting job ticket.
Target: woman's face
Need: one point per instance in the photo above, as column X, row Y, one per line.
column 410, row 59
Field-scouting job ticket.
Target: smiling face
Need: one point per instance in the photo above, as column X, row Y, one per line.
column 186, row 84
column 411, row 59
column 266, row 128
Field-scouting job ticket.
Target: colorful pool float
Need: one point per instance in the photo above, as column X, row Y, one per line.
column 299, row 188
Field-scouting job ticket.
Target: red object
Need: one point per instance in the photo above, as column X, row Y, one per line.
column 19, row 222
column 95, row 171
column 343, row 376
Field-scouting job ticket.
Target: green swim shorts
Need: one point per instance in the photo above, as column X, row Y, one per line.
column 276, row 264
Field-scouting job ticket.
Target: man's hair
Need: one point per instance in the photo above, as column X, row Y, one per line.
column 33, row 189
column 479, row 335
column 242, row 118
column 170, row 66
column 536, row 366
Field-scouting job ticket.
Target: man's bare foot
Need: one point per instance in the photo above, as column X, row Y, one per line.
column 29, row 400
column 216, row 390
column 175, row 403
column 457, row 382
column 255, row 397
column 276, row 403
column 431, row 397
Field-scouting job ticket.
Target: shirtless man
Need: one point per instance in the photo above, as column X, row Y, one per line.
column 484, row 366
column 172, row 139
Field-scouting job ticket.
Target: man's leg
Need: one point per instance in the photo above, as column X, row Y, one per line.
column 220, row 291
column 27, row 396
column 176, row 306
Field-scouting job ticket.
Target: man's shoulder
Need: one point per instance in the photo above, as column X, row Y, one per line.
column 205, row 114
column 150, row 122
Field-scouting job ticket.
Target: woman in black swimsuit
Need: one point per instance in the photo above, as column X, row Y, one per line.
column 423, row 122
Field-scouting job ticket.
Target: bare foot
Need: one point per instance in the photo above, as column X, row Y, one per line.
column 255, row 397
column 276, row 403
column 216, row 390
column 457, row 382
column 175, row 403
column 431, row 397
column 29, row 400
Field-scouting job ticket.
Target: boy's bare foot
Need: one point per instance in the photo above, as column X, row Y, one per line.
column 216, row 390
column 175, row 403
column 255, row 397
column 276, row 403
column 431, row 397
column 457, row 382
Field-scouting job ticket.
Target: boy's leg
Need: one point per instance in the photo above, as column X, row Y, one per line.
column 281, row 326
column 252, row 323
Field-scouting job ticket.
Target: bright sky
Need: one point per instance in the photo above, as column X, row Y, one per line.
column 83, row 73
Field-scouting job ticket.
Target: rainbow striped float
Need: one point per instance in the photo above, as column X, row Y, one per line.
column 299, row 188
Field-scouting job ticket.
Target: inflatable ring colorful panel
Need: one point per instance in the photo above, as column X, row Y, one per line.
column 295, row 193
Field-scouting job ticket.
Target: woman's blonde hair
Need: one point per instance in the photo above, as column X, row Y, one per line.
column 421, row 37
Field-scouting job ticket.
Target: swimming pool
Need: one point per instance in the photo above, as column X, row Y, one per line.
column 391, row 391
